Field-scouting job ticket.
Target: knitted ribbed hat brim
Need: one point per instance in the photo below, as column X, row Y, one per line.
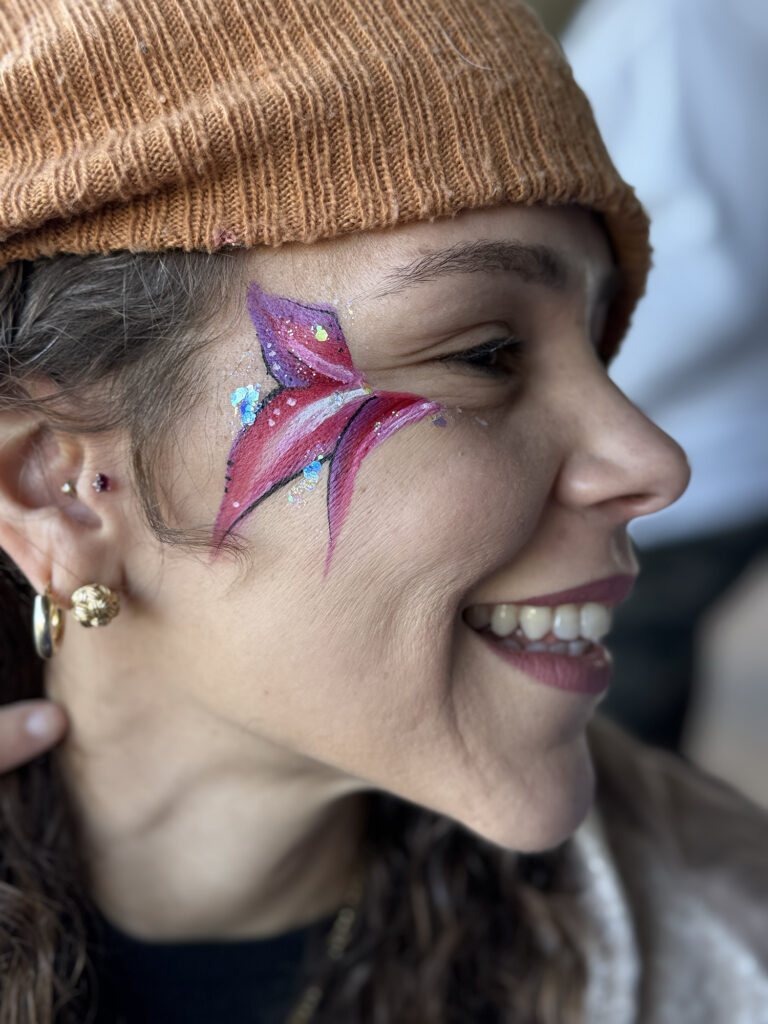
column 197, row 124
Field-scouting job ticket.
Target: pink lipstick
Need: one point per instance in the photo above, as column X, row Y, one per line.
column 586, row 667
column 588, row 673
column 608, row 591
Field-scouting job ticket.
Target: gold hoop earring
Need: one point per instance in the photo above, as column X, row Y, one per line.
column 47, row 624
column 95, row 604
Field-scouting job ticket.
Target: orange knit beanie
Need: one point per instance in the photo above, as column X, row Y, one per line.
column 198, row 124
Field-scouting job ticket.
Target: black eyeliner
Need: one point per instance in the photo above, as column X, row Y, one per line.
column 514, row 346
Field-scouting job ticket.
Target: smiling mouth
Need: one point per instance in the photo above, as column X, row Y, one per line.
column 567, row 629
column 558, row 646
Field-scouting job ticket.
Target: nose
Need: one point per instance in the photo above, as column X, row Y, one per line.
column 618, row 460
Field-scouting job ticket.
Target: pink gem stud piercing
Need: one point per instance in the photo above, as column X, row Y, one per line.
column 101, row 483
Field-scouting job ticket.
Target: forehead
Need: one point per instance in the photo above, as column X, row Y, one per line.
column 359, row 266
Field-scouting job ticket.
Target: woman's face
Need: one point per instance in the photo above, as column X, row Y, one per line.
column 514, row 474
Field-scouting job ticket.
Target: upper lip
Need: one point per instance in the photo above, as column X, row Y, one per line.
column 609, row 591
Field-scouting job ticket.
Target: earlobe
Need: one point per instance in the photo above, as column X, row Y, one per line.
column 52, row 536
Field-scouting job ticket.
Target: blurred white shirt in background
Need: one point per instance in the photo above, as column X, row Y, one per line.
column 680, row 92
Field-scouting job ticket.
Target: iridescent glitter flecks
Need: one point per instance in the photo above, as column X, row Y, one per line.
column 311, row 472
column 321, row 403
column 310, row 476
column 246, row 401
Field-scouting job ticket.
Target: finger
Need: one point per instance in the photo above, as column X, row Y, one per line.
column 28, row 728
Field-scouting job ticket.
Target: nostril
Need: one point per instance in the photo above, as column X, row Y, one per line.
column 634, row 506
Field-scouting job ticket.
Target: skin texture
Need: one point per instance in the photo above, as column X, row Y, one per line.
column 242, row 712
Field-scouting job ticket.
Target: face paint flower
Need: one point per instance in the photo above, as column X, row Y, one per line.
column 321, row 411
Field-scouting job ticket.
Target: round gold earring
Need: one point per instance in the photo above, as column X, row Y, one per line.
column 95, row 604
column 47, row 624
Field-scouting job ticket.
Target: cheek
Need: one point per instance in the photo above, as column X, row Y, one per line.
column 367, row 652
column 438, row 509
column 434, row 511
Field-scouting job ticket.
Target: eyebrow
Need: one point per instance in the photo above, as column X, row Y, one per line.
column 533, row 264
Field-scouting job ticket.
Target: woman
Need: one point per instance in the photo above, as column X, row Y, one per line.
column 345, row 485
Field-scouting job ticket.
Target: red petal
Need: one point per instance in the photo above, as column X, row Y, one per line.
column 280, row 443
column 391, row 411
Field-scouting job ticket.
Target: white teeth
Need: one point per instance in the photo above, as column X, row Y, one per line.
column 504, row 619
column 512, row 645
column 565, row 624
column 535, row 621
column 561, row 648
column 570, row 623
column 578, row 646
column 478, row 616
column 595, row 621
column 538, row 647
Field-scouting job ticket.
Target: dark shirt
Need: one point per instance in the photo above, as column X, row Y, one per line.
column 253, row 981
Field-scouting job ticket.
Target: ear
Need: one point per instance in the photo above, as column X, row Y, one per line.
column 55, row 538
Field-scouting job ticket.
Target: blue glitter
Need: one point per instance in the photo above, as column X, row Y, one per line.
column 246, row 401
column 312, row 472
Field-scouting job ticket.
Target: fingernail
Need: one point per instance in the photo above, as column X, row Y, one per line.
column 40, row 723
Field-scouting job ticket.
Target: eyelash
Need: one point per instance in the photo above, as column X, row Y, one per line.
column 512, row 347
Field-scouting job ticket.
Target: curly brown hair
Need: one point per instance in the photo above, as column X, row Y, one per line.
column 451, row 929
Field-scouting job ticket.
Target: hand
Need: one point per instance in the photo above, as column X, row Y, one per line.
column 27, row 728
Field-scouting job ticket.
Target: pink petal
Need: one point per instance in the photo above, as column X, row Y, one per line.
column 300, row 343
column 391, row 411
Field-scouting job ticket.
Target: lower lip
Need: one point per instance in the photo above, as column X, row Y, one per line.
column 588, row 673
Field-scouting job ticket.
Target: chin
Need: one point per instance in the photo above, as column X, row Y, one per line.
column 543, row 812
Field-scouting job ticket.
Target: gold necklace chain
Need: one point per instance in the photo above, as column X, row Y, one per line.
column 336, row 943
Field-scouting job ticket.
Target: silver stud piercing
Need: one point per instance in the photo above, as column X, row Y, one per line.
column 101, row 483
column 69, row 489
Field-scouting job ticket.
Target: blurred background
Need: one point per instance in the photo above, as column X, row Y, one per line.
column 679, row 89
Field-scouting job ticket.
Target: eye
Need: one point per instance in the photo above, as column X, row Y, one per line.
column 497, row 358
